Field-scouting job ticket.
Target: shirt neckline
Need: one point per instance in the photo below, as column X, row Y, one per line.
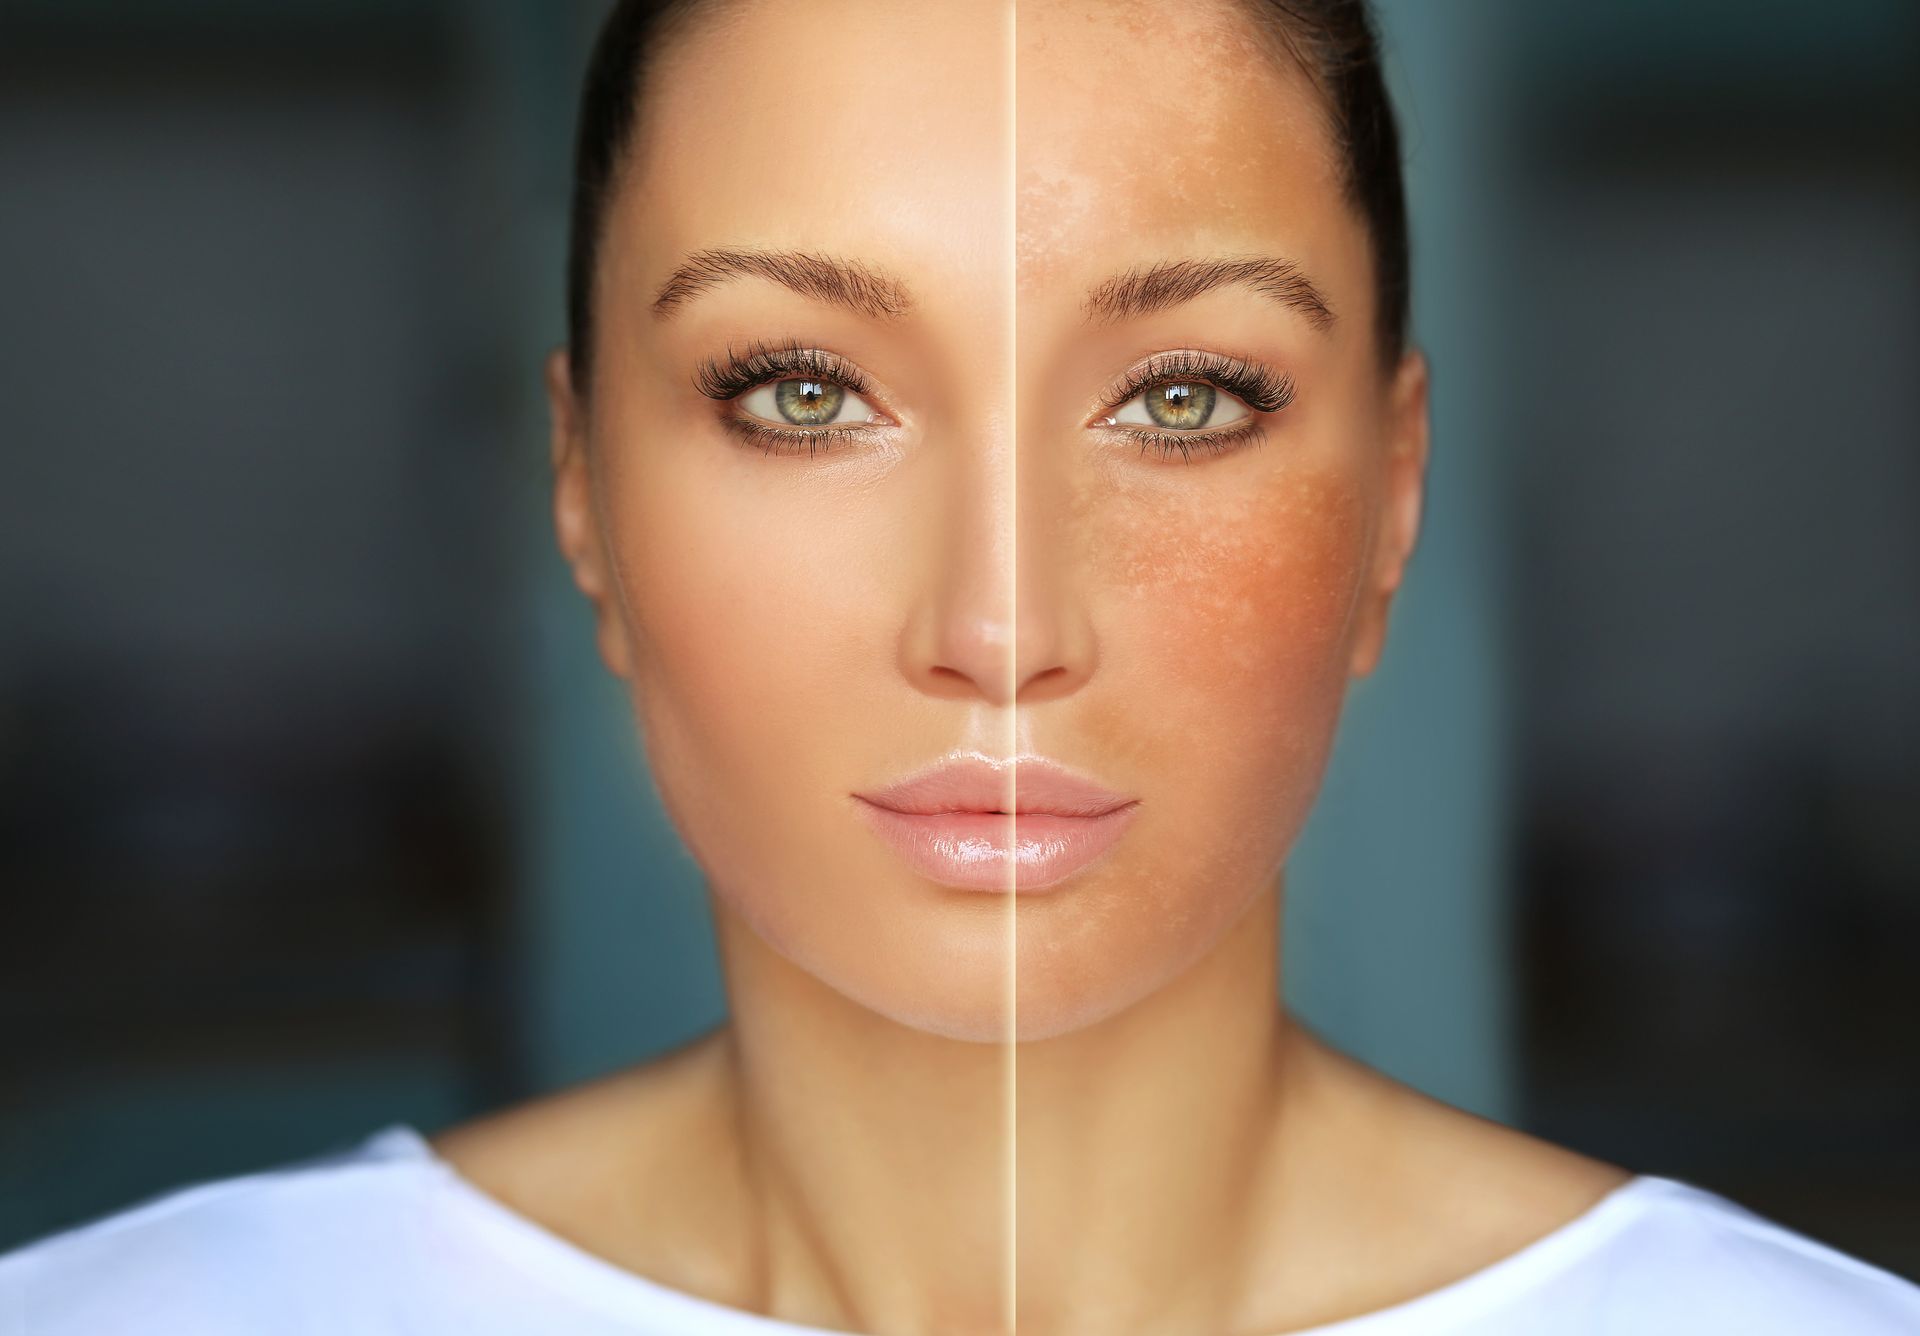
column 571, row 1269
column 627, row 1293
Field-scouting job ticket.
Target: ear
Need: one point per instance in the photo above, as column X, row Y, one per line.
column 576, row 524
column 1402, row 497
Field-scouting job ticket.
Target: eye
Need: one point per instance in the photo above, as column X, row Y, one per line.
column 1182, row 405
column 1187, row 402
column 806, row 401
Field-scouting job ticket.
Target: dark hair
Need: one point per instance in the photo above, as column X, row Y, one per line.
column 1337, row 45
column 1333, row 41
column 609, row 114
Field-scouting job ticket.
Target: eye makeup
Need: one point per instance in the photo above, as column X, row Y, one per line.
column 806, row 377
column 799, row 375
column 1178, row 374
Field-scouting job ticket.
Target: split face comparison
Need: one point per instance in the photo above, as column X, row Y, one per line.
column 989, row 482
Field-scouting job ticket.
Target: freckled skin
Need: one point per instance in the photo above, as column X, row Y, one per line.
column 1230, row 598
column 1237, row 612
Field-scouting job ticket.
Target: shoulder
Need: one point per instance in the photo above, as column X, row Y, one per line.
column 224, row 1256
column 575, row 1160
column 1523, row 1237
column 1679, row 1258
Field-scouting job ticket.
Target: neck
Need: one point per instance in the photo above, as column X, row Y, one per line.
column 881, row 1160
column 1137, row 1144
column 876, row 1156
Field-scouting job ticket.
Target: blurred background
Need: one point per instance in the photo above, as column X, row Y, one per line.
column 316, row 812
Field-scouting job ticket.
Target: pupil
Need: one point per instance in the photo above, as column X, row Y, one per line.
column 1183, row 406
column 809, row 403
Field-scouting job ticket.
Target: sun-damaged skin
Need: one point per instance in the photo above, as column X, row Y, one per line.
column 1218, row 606
column 996, row 563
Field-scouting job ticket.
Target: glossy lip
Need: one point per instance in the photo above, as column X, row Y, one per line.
column 979, row 824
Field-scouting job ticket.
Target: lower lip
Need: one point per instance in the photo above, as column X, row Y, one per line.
column 991, row 851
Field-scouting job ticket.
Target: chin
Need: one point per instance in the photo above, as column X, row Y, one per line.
column 1060, row 995
column 923, row 957
column 976, row 1004
column 1076, row 966
column 1090, row 951
column 988, row 967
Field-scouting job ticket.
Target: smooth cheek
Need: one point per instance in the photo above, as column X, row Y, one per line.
column 1224, row 620
column 764, row 622
column 747, row 618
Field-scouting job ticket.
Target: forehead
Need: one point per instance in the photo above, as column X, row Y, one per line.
column 875, row 129
column 1148, row 128
column 919, row 134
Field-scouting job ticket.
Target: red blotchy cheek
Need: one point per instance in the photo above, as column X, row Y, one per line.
column 1222, row 613
column 1224, row 619
column 1237, row 605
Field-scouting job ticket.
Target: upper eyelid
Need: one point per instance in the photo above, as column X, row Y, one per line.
column 778, row 362
column 1129, row 391
column 1176, row 365
column 788, row 361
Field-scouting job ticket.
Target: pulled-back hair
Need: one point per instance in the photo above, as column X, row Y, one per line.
column 1333, row 42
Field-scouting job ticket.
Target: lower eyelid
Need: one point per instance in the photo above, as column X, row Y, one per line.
column 789, row 439
column 784, row 440
column 1246, row 432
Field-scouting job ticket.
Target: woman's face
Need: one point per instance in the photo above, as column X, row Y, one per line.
column 1084, row 455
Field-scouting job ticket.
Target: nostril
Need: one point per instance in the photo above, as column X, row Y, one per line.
column 1044, row 683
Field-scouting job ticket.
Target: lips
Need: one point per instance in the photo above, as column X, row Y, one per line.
column 975, row 823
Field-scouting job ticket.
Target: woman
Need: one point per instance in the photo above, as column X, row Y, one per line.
column 988, row 445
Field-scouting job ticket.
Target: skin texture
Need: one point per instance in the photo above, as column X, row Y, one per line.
column 795, row 628
column 924, row 1095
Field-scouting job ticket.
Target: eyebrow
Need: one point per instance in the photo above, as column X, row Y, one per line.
column 1149, row 288
column 846, row 283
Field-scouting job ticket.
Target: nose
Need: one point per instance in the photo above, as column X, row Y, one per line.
column 959, row 641
column 1055, row 647
column 1001, row 622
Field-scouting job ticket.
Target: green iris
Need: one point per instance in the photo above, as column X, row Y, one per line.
column 1182, row 406
column 809, row 403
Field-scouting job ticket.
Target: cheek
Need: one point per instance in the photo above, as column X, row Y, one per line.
column 1228, row 616
column 746, row 615
column 736, row 591
column 1226, row 644
column 764, row 614
column 1223, row 619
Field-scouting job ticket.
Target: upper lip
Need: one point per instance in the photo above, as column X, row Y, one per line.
column 1019, row 785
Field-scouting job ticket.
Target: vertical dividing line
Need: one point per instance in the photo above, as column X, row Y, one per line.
column 1012, row 1060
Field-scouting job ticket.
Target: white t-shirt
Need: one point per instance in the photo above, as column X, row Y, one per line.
column 387, row 1239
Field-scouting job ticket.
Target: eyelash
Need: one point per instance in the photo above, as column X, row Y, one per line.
column 733, row 374
column 1260, row 388
column 739, row 371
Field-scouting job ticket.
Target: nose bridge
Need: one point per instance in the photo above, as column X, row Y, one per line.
column 961, row 640
column 1053, row 637
column 1002, row 616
